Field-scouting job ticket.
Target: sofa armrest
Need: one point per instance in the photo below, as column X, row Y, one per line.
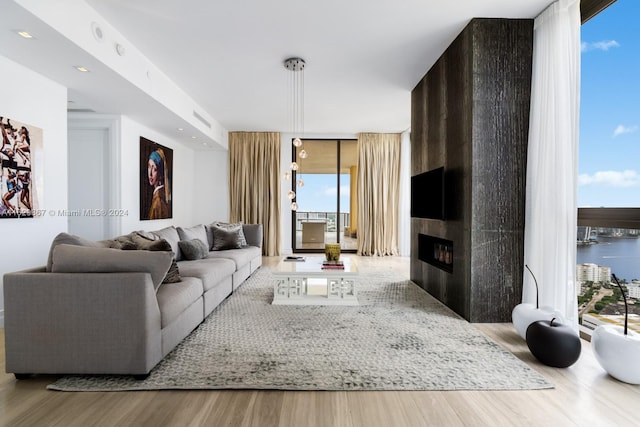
column 98, row 323
column 253, row 234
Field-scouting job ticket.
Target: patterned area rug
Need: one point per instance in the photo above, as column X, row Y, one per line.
column 399, row 338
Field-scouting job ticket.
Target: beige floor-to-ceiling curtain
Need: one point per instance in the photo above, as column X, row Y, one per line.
column 378, row 193
column 254, row 184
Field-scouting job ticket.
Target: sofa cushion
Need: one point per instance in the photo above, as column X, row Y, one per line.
column 141, row 242
column 146, row 234
column 193, row 249
column 173, row 275
column 227, row 226
column 175, row 298
column 83, row 259
column 170, row 234
column 210, row 270
column 154, row 243
column 196, row 232
column 253, row 234
column 241, row 257
column 70, row 239
column 227, row 238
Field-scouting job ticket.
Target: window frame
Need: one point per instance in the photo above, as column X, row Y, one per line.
column 609, row 217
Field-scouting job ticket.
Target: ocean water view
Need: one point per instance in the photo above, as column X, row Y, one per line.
column 619, row 253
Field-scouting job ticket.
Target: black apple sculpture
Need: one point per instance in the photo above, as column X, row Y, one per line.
column 553, row 344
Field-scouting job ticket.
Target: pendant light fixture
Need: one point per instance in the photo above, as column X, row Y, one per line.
column 296, row 89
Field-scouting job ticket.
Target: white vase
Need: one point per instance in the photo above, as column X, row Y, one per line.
column 617, row 353
column 525, row 314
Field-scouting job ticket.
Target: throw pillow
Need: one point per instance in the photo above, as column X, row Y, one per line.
column 173, row 275
column 193, row 249
column 195, row 232
column 141, row 241
column 126, row 246
column 146, row 234
column 83, row 259
column 228, row 226
column 226, row 238
column 117, row 243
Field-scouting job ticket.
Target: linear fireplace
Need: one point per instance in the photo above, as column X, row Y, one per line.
column 436, row 251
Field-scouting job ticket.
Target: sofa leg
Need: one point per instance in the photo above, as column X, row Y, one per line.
column 141, row 377
column 22, row 376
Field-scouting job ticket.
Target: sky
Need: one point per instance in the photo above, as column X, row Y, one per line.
column 609, row 159
column 319, row 193
column 609, row 156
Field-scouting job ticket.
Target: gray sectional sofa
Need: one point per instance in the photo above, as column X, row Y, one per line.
column 97, row 308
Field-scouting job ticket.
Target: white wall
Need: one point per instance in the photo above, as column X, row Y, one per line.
column 211, row 199
column 33, row 99
column 89, row 184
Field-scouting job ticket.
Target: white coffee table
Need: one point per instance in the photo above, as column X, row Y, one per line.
column 306, row 283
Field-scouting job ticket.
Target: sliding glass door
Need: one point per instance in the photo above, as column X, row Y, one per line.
column 325, row 195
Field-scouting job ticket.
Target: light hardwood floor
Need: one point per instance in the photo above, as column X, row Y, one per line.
column 583, row 395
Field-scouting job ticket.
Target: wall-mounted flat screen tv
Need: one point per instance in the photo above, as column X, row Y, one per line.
column 428, row 195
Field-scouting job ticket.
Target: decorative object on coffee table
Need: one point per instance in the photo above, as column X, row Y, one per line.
column 326, row 265
column 553, row 343
column 332, row 251
column 525, row 314
column 617, row 349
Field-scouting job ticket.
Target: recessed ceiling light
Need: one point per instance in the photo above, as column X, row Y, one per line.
column 205, row 144
column 25, row 34
column 193, row 137
column 97, row 31
column 81, row 68
column 180, row 129
column 120, row 50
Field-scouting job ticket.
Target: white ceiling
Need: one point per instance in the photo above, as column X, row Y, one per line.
column 363, row 56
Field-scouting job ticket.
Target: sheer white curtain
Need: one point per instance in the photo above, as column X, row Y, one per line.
column 552, row 163
column 404, row 208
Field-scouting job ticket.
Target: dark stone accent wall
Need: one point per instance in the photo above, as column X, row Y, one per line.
column 470, row 114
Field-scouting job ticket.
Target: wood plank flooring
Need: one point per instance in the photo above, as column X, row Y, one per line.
column 583, row 395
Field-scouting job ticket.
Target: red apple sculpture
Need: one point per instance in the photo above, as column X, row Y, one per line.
column 553, row 343
column 617, row 349
column 525, row 314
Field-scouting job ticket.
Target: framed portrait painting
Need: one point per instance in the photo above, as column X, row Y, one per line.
column 156, row 177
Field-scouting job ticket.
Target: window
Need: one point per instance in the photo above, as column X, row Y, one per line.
column 608, row 235
column 326, row 200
